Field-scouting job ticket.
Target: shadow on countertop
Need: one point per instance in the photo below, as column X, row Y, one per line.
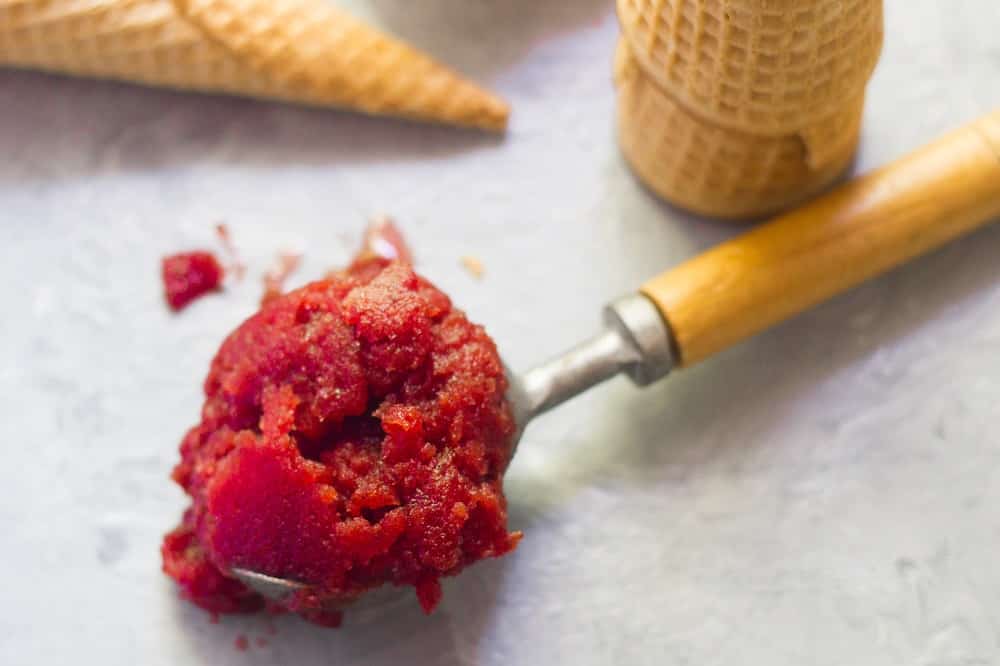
column 399, row 634
column 486, row 36
column 757, row 384
column 61, row 127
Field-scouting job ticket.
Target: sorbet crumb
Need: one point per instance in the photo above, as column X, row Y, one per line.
column 274, row 279
column 473, row 266
column 241, row 643
column 236, row 266
column 383, row 239
column 189, row 275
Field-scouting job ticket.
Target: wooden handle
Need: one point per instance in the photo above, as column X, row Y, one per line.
column 838, row 241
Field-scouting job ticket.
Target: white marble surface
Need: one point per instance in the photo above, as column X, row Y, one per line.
column 825, row 494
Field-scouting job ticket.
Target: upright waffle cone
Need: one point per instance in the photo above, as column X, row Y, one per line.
column 717, row 171
column 762, row 66
column 302, row 51
column 739, row 108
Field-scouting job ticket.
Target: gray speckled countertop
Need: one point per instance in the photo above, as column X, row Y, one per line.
column 825, row 494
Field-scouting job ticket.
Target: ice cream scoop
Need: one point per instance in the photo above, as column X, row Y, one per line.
column 761, row 278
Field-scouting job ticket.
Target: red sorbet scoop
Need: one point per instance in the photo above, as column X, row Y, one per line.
column 354, row 433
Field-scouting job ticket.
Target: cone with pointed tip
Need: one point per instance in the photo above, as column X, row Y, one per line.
column 301, row 51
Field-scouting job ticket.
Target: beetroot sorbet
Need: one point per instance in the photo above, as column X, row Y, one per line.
column 354, row 434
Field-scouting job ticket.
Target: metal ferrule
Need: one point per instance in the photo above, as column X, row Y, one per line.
column 636, row 341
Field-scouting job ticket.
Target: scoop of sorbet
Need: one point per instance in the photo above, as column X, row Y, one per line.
column 354, row 435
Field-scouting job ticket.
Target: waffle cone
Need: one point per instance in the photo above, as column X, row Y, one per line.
column 763, row 67
column 722, row 172
column 302, row 51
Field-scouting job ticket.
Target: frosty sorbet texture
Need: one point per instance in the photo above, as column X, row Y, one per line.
column 354, row 434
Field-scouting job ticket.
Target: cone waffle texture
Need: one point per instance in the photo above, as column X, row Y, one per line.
column 303, row 51
column 762, row 66
column 722, row 172
column 740, row 108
